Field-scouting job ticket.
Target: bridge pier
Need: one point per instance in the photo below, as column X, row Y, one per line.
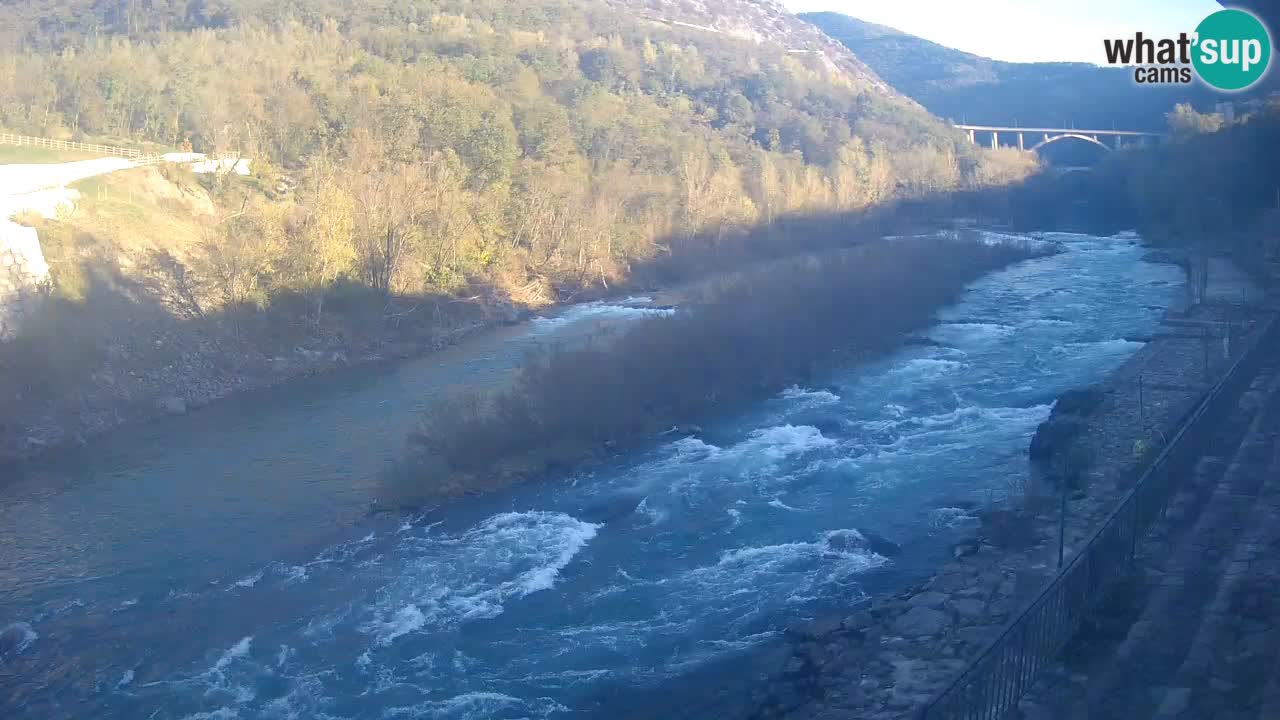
column 971, row 138
column 995, row 139
column 1021, row 145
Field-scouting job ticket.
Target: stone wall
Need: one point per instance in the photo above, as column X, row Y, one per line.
column 23, row 275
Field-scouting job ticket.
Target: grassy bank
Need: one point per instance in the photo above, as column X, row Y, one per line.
column 747, row 338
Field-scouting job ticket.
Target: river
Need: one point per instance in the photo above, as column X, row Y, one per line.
column 225, row 565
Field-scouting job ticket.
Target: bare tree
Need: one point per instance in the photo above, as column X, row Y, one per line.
column 390, row 202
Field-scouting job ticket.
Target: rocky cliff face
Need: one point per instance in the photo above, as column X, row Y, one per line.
column 763, row 21
column 23, row 271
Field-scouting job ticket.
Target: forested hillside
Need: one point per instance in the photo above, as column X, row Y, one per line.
column 974, row 89
column 1211, row 184
column 538, row 146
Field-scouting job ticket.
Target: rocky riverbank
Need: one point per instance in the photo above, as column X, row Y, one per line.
column 155, row 367
column 888, row 658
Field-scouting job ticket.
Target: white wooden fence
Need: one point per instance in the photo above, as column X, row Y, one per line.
column 10, row 139
column 141, row 159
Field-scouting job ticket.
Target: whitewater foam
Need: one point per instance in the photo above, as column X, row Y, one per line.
column 223, row 713
column 962, row 423
column 248, row 581
column 692, row 449
column 1116, row 346
column 455, row 579
column 654, row 514
column 781, row 441
column 951, row 517
column 408, row 619
column 925, row 369
column 18, row 637
column 813, row 397
column 597, row 310
column 802, row 566
column 960, row 333
column 306, row 700
column 468, row 706
column 239, row 650
column 216, row 679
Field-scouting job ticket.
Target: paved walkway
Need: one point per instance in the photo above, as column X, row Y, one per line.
column 1197, row 633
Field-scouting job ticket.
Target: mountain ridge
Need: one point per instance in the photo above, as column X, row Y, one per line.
column 966, row 87
column 759, row 21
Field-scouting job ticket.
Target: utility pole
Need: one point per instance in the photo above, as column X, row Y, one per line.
column 1062, row 521
column 1142, row 405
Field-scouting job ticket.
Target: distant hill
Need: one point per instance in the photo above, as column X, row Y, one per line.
column 974, row 89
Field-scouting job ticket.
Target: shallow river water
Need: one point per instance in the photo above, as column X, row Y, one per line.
column 225, row 565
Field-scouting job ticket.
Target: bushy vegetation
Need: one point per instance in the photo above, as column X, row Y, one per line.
column 433, row 146
column 1210, row 181
column 1208, row 186
column 751, row 336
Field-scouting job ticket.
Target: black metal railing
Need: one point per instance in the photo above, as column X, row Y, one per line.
column 995, row 681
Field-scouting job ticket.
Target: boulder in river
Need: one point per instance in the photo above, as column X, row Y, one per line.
column 828, row 426
column 1080, row 402
column 172, row 406
column 846, row 541
column 1066, row 421
column 881, row 545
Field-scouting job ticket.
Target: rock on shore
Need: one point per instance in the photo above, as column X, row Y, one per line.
column 1069, row 417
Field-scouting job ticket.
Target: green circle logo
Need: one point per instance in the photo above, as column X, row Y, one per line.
column 1232, row 51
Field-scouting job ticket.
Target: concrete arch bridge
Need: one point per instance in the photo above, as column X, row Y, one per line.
column 1036, row 138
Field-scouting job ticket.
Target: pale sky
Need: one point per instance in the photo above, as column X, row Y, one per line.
column 1024, row 30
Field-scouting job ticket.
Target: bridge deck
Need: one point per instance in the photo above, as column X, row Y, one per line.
column 1076, row 131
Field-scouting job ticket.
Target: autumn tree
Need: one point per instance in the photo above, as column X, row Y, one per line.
column 1184, row 120
column 323, row 245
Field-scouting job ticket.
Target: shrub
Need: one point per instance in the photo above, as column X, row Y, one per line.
column 748, row 337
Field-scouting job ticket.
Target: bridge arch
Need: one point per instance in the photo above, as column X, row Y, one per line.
column 1074, row 136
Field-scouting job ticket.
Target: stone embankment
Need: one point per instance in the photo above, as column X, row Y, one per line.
column 888, row 658
column 1196, row 632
